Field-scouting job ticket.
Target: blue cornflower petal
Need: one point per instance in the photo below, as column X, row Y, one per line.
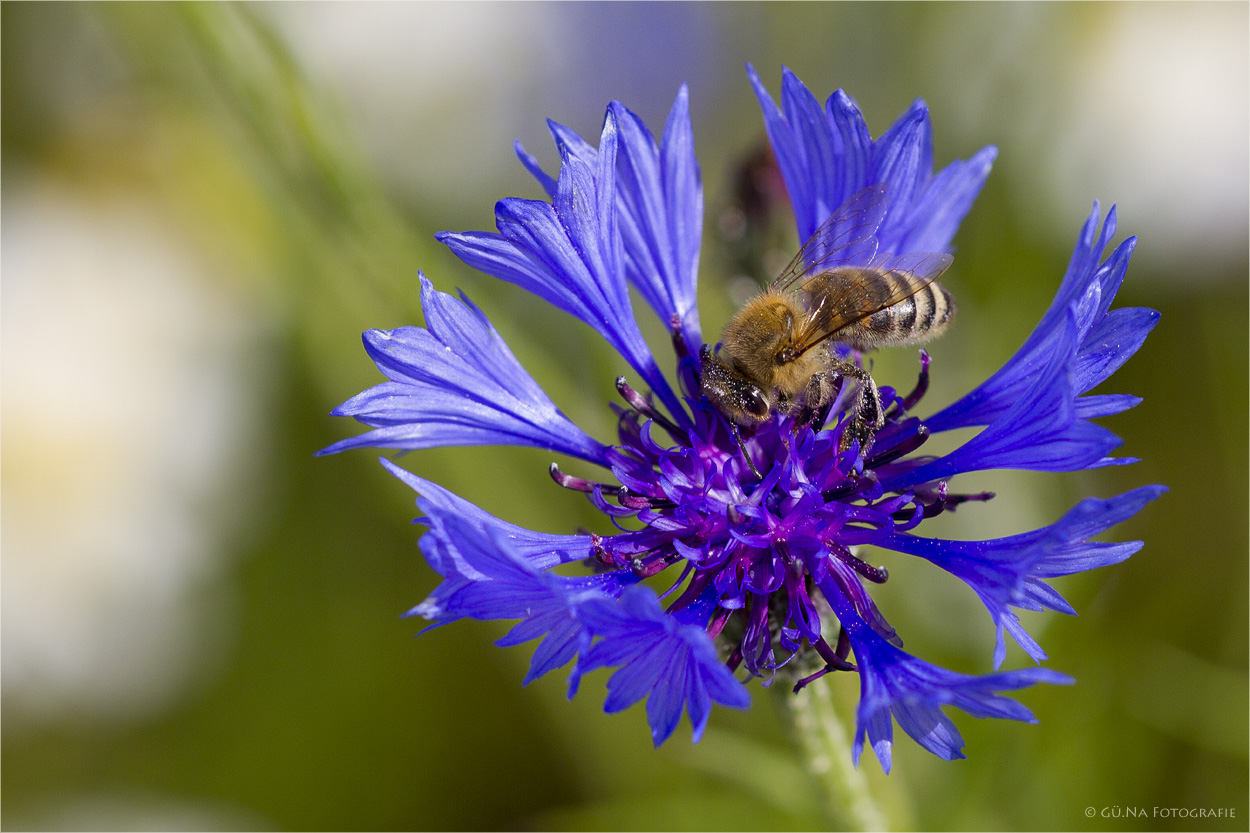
column 1041, row 431
column 790, row 152
column 659, row 208
column 893, row 682
column 814, row 144
column 1110, row 343
column 504, row 585
column 660, row 193
column 1105, row 404
column 937, row 211
column 536, row 170
column 568, row 252
column 1104, row 339
column 660, row 655
column 456, row 383
column 827, row 155
column 475, row 587
column 853, row 147
column 1006, row 572
column 903, row 157
column 1085, row 520
column 492, row 572
column 570, row 144
column 563, row 636
column 560, row 624
column 541, row 549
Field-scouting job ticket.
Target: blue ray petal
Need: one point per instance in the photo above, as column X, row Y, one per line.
column 825, row 155
column 895, row 684
column 1006, row 572
column 660, row 656
column 456, row 383
column 569, row 251
column 1103, row 340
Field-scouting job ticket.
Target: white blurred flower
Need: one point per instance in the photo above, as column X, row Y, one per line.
column 459, row 82
column 1145, row 105
column 1161, row 127
column 124, row 405
column 425, row 81
column 136, row 811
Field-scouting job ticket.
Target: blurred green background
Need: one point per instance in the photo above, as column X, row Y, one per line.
column 204, row 205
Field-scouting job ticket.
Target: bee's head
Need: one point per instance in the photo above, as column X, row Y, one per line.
column 736, row 397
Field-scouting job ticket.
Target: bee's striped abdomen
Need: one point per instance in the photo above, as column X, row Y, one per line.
column 931, row 310
column 920, row 316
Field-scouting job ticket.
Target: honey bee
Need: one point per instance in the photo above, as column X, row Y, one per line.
column 777, row 354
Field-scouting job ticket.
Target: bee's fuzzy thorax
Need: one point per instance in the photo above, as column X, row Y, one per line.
column 758, row 334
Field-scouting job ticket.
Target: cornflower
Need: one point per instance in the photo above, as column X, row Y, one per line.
column 760, row 532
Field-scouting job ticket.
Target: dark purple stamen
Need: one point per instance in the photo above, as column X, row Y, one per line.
column 643, row 406
column 877, row 575
column 838, row 663
column 853, row 486
column 844, row 644
column 577, row 484
column 937, row 501
column 811, row 678
column 601, row 553
column 906, row 446
column 922, row 384
column 630, row 500
column 645, row 567
column 679, row 342
column 834, row 660
column 719, row 619
column 951, row 501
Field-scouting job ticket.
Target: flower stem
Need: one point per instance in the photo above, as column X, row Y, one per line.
column 824, row 746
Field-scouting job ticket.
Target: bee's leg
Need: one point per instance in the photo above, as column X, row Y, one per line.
column 831, row 389
column 868, row 418
column 822, row 392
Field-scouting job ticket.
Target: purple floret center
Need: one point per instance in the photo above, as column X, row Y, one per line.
column 770, row 535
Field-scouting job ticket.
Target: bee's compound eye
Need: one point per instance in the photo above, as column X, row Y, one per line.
column 755, row 403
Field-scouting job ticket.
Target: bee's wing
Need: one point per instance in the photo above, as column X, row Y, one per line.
column 845, row 295
column 848, row 236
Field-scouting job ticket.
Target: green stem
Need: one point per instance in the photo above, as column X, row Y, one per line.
column 825, row 748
